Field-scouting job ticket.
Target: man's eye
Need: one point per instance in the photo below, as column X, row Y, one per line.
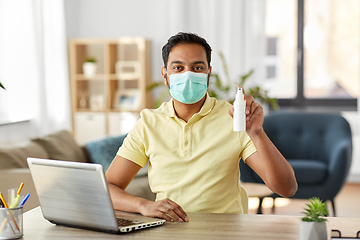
column 198, row 68
column 177, row 68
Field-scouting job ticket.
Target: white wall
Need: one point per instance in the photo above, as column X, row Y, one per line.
column 234, row 27
column 117, row 18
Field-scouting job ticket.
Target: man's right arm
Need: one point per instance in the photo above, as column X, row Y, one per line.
column 119, row 175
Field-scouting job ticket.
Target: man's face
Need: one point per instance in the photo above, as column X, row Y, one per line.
column 186, row 57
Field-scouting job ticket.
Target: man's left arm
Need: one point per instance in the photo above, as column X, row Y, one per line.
column 267, row 162
column 271, row 166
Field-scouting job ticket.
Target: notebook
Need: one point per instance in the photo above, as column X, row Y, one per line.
column 75, row 194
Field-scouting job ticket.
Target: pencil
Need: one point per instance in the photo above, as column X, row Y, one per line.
column 9, row 212
column 19, row 190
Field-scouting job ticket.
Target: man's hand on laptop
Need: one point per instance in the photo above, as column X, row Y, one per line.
column 166, row 209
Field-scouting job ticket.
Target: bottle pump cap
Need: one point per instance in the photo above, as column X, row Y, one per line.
column 239, row 94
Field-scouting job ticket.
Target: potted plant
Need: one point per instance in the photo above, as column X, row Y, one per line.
column 226, row 91
column 313, row 224
column 89, row 67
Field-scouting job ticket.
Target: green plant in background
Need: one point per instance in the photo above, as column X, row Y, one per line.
column 2, row 86
column 219, row 88
column 315, row 211
column 90, row 59
column 163, row 95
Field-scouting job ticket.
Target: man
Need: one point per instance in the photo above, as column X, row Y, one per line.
column 192, row 150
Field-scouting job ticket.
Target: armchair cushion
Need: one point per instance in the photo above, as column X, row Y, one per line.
column 62, row 146
column 14, row 155
column 104, row 150
column 309, row 171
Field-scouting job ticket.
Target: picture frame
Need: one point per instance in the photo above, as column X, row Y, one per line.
column 127, row 99
column 97, row 102
column 127, row 70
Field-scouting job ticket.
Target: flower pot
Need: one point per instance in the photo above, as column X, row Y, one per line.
column 312, row 231
column 89, row 69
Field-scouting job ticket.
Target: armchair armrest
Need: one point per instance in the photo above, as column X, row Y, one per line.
column 339, row 165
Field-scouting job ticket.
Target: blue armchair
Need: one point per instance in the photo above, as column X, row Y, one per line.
column 318, row 147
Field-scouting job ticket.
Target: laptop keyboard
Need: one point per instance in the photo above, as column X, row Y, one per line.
column 126, row 222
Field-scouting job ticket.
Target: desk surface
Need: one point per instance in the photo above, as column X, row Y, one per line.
column 201, row 226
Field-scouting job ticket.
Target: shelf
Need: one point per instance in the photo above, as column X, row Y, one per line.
column 97, row 77
column 122, row 73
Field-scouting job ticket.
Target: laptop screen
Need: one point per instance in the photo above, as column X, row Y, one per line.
column 73, row 194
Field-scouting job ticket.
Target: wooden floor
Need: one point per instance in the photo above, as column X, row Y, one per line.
column 347, row 203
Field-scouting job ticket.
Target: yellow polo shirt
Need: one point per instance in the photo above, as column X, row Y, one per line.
column 195, row 164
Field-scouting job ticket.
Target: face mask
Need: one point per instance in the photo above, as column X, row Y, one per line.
column 188, row 87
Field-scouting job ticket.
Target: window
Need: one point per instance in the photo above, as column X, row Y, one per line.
column 17, row 64
column 313, row 52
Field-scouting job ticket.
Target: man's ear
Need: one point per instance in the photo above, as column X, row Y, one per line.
column 209, row 74
column 164, row 74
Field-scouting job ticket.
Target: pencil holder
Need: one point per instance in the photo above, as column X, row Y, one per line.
column 11, row 223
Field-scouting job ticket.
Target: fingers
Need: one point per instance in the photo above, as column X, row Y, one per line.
column 252, row 107
column 231, row 112
column 168, row 210
column 177, row 211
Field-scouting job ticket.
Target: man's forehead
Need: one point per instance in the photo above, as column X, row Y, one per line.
column 184, row 53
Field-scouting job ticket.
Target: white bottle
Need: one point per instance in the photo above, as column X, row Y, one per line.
column 239, row 118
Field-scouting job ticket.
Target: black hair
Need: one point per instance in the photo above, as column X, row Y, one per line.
column 185, row 38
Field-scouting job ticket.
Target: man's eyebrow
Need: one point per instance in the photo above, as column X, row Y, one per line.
column 177, row 62
column 199, row 62
column 180, row 62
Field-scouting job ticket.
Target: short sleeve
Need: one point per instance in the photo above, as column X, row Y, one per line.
column 247, row 146
column 133, row 147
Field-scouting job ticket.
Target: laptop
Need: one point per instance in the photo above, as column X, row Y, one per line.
column 75, row 194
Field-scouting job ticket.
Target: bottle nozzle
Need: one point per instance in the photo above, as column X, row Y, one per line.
column 239, row 94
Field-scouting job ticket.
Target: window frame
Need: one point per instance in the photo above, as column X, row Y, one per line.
column 300, row 101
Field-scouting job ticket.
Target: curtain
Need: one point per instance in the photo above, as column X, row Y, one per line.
column 33, row 68
column 236, row 28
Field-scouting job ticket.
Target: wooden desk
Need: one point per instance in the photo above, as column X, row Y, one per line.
column 201, row 226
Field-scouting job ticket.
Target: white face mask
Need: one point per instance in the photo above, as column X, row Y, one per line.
column 188, row 87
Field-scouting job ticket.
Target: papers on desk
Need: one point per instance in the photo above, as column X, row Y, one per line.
column 343, row 238
column 336, row 234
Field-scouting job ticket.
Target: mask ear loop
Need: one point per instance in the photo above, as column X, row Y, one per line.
column 208, row 78
column 167, row 81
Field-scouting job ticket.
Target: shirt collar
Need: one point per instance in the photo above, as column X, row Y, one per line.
column 209, row 104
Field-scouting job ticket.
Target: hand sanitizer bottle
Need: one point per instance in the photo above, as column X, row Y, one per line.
column 239, row 118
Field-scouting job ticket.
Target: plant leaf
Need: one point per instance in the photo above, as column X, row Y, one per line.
column 155, row 85
column 315, row 210
column 226, row 70
column 245, row 77
column 2, row 86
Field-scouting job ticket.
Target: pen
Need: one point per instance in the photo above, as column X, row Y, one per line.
column 15, row 202
column 20, row 187
column 5, row 220
column 24, row 200
column 9, row 212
